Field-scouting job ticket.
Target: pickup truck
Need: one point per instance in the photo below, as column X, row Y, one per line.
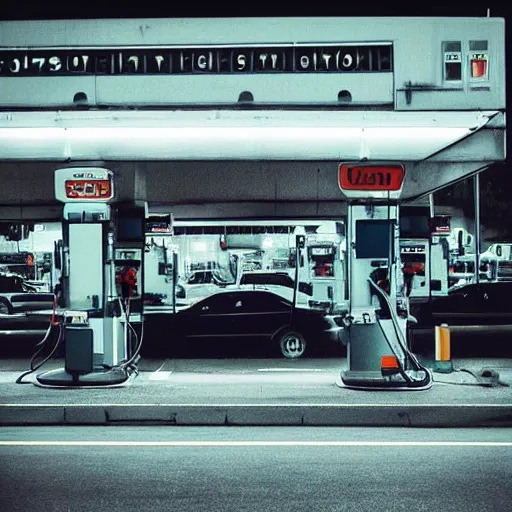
column 495, row 265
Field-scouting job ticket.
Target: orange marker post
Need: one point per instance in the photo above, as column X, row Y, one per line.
column 443, row 358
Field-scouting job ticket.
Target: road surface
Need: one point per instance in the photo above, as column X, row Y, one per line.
column 125, row 469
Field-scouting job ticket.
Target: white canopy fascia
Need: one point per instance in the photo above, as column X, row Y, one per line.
column 233, row 135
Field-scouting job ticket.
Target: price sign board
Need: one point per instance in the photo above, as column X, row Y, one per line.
column 84, row 185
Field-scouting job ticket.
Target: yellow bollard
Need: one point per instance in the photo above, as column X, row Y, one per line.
column 443, row 362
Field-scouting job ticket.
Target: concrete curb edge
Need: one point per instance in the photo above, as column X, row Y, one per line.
column 259, row 415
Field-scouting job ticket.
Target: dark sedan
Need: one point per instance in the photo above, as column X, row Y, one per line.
column 484, row 308
column 242, row 314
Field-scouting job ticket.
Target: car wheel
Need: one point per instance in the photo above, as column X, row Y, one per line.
column 292, row 344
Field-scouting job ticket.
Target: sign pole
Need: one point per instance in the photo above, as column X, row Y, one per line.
column 476, row 199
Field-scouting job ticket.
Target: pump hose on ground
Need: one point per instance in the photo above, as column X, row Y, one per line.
column 42, row 345
column 403, row 344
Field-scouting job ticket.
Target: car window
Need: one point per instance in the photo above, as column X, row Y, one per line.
column 467, row 298
column 499, row 290
column 268, row 279
column 238, row 303
column 218, row 304
column 467, row 289
column 249, row 303
column 200, row 278
column 265, row 301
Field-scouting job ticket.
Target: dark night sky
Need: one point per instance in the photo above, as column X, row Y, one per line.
column 62, row 9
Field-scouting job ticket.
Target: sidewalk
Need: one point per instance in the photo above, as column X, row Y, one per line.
column 258, row 392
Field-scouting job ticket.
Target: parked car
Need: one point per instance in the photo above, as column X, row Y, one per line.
column 256, row 314
column 483, row 308
column 17, row 301
column 203, row 284
column 199, row 284
column 279, row 283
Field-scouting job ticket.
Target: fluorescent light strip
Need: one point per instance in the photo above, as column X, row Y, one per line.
column 226, row 143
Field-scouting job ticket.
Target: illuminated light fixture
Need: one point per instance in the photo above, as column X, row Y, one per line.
column 478, row 60
column 479, row 66
column 244, row 135
column 199, row 246
column 267, row 242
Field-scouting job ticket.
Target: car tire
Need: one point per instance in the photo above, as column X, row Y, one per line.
column 292, row 344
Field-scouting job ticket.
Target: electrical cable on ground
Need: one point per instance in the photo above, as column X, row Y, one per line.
column 33, row 366
column 487, row 377
column 126, row 366
column 42, row 344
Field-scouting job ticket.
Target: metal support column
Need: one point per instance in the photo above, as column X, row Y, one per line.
column 476, row 199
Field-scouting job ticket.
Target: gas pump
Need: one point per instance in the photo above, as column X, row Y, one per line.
column 159, row 268
column 327, row 272
column 424, row 252
column 415, row 258
column 377, row 353
column 101, row 283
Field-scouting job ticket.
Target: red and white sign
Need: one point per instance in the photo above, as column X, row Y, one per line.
column 440, row 225
column 371, row 177
column 76, row 184
column 88, row 189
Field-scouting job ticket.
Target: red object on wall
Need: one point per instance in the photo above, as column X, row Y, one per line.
column 478, row 68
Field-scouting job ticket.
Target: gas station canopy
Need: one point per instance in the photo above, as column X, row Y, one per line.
column 436, row 148
column 233, row 135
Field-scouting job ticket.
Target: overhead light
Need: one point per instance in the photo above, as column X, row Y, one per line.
column 229, row 143
column 199, row 246
column 267, row 242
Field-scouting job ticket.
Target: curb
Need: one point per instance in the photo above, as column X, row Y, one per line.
column 343, row 415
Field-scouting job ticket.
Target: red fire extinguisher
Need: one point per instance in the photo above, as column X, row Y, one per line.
column 127, row 280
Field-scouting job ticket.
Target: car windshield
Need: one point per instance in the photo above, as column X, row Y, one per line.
column 270, row 279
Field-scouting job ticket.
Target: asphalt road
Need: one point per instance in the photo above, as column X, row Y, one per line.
column 124, row 469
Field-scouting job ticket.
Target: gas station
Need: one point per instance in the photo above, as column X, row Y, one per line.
column 124, row 130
